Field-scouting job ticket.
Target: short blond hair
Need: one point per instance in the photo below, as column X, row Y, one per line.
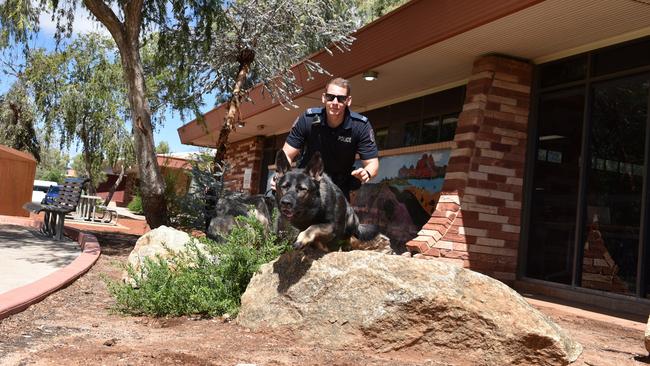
column 340, row 82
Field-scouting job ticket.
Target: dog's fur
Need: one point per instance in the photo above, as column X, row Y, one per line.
column 317, row 207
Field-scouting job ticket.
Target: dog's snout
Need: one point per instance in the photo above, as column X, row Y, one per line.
column 286, row 202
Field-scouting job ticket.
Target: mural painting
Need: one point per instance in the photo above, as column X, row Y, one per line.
column 402, row 197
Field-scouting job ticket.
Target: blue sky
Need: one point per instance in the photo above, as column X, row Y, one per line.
column 84, row 24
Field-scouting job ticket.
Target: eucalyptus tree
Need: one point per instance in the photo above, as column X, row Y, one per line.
column 79, row 92
column 373, row 9
column 17, row 119
column 129, row 22
column 53, row 164
column 163, row 148
column 18, row 21
column 257, row 42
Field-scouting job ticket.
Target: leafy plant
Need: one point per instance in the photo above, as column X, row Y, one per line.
column 135, row 205
column 207, row 279
column 191, row 210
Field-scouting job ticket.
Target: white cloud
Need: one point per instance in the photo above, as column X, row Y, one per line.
column 83, row 23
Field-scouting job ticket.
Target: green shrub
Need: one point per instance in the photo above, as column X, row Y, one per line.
column 194, row 283
column 135, row 205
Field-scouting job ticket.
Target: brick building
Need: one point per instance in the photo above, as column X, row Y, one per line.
column 530, row 117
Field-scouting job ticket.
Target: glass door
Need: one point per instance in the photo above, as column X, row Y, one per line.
column 555, row 186
column 614, row 187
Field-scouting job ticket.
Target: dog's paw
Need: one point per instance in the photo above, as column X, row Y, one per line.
column 298, row 245
column 303, row 239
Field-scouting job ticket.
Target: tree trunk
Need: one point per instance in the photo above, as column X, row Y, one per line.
column 111, row 192
column 245, row 59
column 152, row 183
column 87, row 158
column 127, row 37
column 88, row 163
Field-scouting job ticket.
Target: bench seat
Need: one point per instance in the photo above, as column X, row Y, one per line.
column 66, row 202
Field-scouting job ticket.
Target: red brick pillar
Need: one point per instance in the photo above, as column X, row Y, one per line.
column 476, row 223
column 242, row 155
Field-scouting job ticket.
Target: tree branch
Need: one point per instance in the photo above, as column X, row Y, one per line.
column 106, row 16
column 133, row 20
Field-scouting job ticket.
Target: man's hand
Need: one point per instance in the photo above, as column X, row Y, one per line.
column 274, row 178
column 361, row 174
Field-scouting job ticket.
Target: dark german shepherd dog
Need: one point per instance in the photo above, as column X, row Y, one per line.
column 317, row 207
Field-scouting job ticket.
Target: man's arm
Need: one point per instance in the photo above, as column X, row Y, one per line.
column 368, row 171
column 291, row 152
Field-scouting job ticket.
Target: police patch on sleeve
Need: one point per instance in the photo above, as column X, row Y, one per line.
column 372, row 135
column 295, row 122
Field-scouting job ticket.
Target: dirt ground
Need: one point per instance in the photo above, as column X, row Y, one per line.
column 75, row 327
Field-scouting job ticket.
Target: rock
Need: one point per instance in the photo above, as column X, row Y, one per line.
column 647, row 336
column 380, row 244
column 162, row 241
column 390, row 302
column 231, row 205
column 110, row 342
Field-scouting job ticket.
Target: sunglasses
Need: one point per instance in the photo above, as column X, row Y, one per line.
column 340, row 98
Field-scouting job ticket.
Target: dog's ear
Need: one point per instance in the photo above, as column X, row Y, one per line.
column 315, row 166
column 281, row 163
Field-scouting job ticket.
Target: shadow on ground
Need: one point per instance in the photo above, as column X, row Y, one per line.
column 115, row 244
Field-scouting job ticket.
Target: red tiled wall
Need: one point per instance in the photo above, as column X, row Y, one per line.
column 241, row 155
column 476, row 223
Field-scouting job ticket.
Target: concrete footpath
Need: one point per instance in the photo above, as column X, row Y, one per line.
column 27, row 256
column 33, row 266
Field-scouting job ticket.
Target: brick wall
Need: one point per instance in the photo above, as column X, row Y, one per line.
column 241, row 155
column 476, row 223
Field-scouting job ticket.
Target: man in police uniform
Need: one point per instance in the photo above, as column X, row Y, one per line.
column 339, row 134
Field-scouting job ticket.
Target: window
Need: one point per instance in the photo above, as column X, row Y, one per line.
column 431, row 130
column 411, row 134
column 424, row 120
column 595, row 239
column 448, row 129
column 381, row 137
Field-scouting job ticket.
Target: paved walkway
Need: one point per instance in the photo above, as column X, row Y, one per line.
column 25, row 256
column 33, row 266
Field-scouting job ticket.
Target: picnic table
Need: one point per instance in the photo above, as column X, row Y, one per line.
column 91, row 208
column 87, row 207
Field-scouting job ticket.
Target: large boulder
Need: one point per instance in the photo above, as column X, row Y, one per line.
column 163, row 242
column 388, row 302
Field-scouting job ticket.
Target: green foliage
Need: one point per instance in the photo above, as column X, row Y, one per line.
column 172, row 178
column 80, row 97
column 190, row 210
column 52, row 166
column 195, row 282
column 96, row 172
column 18, row 21
column 163, row 148
column 17, row 121
column 135, row 205
column 261, row 38
column 373, row 9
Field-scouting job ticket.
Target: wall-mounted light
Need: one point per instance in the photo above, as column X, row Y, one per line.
column 370, row 75
column 241, row 124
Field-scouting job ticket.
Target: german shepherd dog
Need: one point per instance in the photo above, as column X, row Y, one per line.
column 313, row 204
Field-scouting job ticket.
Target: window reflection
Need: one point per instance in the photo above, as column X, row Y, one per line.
column 615, row 186
column 555, row 195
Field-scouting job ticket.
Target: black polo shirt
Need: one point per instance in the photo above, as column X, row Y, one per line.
column 338, row 146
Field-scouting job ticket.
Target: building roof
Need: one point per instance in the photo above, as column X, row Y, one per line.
column 7, row 152
column 427, row 46
column 168, row 161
